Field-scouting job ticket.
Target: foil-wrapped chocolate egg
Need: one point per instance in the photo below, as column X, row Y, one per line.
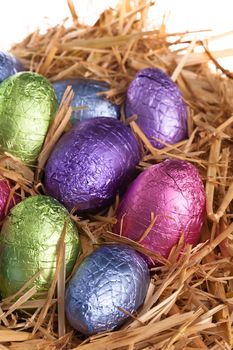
column 172, row 192
column 159, row 106
column 28, row 243
column 5, row 190
column 27, row 106
column 110, row 284
column 87, row 94
column 91, row 163
column 9, row 65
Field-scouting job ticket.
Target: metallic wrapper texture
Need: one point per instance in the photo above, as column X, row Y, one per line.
column 9, row 65
column 91, row 163
column 28, row 243
column 5, row 190
column 160, row 108
column 174, row 193
column 112, row 278
column 27, row 105
column 86, row 95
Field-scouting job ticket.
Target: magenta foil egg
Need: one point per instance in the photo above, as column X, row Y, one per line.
column 173, row 191
column 159, row 106
column 5, row 190
column 91, row 163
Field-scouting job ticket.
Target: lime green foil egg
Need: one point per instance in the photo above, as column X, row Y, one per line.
column 28, row 244
column 27, row 106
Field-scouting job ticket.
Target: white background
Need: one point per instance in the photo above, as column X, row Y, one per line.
column 19, row 17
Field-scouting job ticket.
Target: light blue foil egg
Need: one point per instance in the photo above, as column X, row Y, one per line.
column 86, row 95
column 112, row 279
column 9, row 65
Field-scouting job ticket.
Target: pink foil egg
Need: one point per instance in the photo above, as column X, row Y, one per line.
column 173, row 192
column 4, row 196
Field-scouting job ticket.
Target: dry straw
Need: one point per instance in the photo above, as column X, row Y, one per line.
column 189, row 304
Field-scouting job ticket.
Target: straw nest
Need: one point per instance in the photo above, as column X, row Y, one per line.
column 189, row 304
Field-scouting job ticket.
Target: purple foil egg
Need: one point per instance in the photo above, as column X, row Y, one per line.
column 160, row 108
column 174, row 193
column 9, row 65
column 91, row 163
column 112, row 278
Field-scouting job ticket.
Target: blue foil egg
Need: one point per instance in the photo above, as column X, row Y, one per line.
column 86, row 95
column 9, row 65
column 113, row 279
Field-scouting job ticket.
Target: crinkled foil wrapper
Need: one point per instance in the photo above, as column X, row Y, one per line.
column 112, row 278
column 5, row 190
column 27, row 106
column 86, row 95
column 9, row 65
column 91, row 163
column 159, row 106
column 28, row 243
column 173, row 191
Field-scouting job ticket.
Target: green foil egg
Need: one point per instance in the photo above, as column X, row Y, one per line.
column 28, row 243
column 27, row 105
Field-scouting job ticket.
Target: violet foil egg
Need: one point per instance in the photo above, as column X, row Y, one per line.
column 91, row 163
column 9, row 65
column 159, row 106
column 112, row 279
column 86, row 94
column 173, row 191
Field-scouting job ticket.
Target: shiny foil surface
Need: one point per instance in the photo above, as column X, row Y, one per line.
column 112, row 277
column 27, row 106
column 91, row 163
column 86, row 95
column 9, row 65
column 174, row 193
column 160, row 108
column 28, row 243
column 5, row 190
